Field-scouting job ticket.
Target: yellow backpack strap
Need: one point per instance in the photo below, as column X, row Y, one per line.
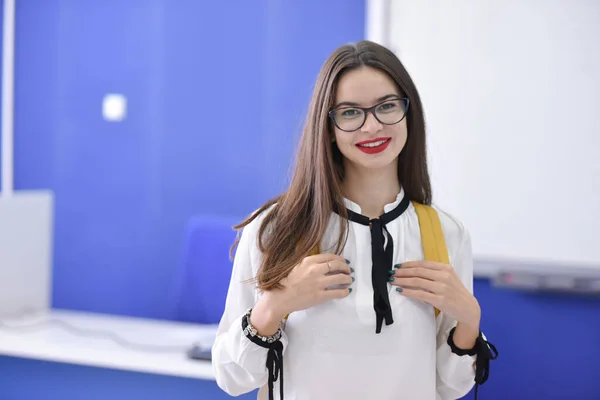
column 432, row 236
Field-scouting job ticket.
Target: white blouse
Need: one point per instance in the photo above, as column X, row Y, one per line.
column 331, row 351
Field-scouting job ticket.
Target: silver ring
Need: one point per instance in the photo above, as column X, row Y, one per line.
column 328, row 266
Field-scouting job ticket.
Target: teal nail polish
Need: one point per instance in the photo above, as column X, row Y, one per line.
column 351, row 269
column 352, row 279
column 397, row 266
column 349, row 290
column 347, row 261
column 391, row 279
column 398, row 289
column 391, row 272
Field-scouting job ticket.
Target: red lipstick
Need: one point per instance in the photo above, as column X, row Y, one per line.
column 374, row 146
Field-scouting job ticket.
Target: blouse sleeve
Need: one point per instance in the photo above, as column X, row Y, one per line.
column 238, row 363
column 455, row 374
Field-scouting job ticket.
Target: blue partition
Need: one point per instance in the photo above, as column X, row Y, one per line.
column 547, row 344
column 215, row 92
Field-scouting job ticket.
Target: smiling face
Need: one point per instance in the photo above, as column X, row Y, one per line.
column 378, row 142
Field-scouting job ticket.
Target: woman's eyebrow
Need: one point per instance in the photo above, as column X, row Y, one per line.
column 351, row 104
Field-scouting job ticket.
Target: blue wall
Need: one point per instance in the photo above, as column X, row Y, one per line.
column 216, row 93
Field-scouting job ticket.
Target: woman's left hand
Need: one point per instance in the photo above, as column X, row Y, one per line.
column 438, row 285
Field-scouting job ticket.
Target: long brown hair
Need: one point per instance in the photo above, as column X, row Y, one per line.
column 298, row 218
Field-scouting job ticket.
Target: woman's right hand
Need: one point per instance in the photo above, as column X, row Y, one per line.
column 315, row 280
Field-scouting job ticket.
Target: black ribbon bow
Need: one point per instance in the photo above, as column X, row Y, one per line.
column 484, row 350
column 275, row 367
column 382, row 255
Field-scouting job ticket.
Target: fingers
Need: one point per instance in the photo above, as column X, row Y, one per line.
column 329, row 263
column 337, row 280
column 335, row 267
column 418, row 276
column 418, row 283
column 323, row 258
column 421, row 272
column 421, row 295
column 425, row 264
column 334, row 294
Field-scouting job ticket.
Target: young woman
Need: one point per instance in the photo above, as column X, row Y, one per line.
column 319, row 269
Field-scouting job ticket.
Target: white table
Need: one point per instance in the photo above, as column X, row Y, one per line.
column 51, row 338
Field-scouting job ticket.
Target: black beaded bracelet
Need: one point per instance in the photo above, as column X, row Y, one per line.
column 274, row 355
column 253, row 335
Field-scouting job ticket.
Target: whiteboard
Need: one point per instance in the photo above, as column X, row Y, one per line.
column 511, row 93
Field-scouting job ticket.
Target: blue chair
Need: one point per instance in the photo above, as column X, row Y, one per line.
column 206, row 269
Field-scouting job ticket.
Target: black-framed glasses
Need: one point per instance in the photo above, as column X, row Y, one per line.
column 351, row 118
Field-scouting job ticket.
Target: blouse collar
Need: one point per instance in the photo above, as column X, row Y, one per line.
column 352, row 206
